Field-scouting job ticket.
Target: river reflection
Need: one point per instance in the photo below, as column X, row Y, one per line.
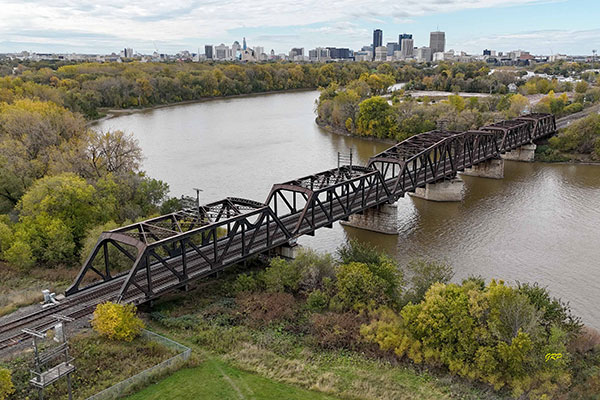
column 540, row 223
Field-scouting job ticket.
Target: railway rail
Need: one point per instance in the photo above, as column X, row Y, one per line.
column 140, row 262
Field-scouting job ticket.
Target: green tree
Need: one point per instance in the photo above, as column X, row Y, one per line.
column 67, row 198
column 377, row 118
column 6, row 386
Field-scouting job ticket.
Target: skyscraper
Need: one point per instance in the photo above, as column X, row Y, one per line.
column 377, row 40
column 407, row 48
column 244, row 44
column 403, row 36
column 437, row 42
column 208, row 51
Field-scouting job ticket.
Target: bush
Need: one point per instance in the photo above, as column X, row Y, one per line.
column 117, row 321
column 336, row 330
column 489, row 334
column 317, row 300
column 20, row 255
column 262, row 309
column 358, row 287
column 355, row 251
column 423, row 275
column 246, row 283
column 281, row 276
column 6, row 237
column 6, row 386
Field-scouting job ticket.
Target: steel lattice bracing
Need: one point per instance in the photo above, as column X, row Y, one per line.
column 141, row 261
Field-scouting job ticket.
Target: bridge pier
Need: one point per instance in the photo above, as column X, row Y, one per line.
column 443, row 191
column 493, row 169
column 524, row 153
column 381, row 219
column 288, row 251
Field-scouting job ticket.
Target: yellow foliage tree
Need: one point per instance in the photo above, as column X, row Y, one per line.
column 117, row 321
column 6, row 386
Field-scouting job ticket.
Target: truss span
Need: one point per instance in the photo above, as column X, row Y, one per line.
column 139, row 262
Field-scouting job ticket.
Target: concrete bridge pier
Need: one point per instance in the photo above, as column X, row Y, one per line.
column 524, row 153
column 493, row 169
column 288, row 251
column 380, row 219
column 443, row 191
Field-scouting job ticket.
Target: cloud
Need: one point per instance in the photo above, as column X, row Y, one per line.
column 539, row 41
column 182, row 21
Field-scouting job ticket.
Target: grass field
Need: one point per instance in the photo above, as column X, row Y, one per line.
column 216, row 380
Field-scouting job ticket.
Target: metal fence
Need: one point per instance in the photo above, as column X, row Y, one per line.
column 126, row 386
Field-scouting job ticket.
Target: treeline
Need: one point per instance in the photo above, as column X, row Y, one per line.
column 359, row 109
column 86, row 88
column 581, row 137
column 362, row 301
column 58, row 180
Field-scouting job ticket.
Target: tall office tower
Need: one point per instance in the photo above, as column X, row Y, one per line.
column 437, row 42
column 208, row 51
column 244, row 44
column 403, row 36
column 407, row 48
column 377, row 40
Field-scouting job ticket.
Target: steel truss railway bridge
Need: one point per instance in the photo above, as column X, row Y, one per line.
column 140, row 262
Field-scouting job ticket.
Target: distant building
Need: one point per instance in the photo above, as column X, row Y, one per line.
column 380, row 53
column 437, row 42
column 235, row 49
column 296, row 52
column 423, row 54
column 244, row 44
column 340, row 53
column 319, row 54
column 248, row 55
column 362, row 55
column 208, row 51
column 392, row 47
column 407, row 48
column 377, row 40
column 223, row 52
column 403, row 36
column 487, row 52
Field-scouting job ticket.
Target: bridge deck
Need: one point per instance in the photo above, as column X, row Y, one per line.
column 167, row 252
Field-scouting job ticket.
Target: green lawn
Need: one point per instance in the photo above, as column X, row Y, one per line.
column 216, row 380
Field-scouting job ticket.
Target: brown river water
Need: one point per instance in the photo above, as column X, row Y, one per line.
column 541, row 223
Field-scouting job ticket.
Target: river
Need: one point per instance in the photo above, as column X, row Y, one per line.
column 541, row 223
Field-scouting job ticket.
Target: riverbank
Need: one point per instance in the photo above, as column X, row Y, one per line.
column 339, row 131
column 108, row 113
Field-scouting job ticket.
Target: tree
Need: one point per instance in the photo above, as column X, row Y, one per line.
column 65, row 197
column 581, row 87
column 117, row 321
column 113, row 152
column 518, row 104
column 6, row 386
column 377, row 118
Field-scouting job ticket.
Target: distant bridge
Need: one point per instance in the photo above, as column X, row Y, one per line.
column 142, row 261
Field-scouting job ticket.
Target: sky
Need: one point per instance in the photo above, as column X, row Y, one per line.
column 105, row 26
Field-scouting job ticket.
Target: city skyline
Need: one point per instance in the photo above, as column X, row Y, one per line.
column 540, row 26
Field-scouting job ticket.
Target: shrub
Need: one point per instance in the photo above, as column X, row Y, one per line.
column 488, row 334
column 314, row 269
column 20, row 255
column 246, row 283
column 6, row 386
column 355, row 251
column 317, row 300
column 117, row 321
column 358, row 287
column 336, row 330
column 423, row 275
column 6, row 237
column 281, row 276
column 261, row 309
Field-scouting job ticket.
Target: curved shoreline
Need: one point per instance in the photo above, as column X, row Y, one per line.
column 117, row 112
column 343, row 132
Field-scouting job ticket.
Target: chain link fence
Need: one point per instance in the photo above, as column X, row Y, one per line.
column 140, row 380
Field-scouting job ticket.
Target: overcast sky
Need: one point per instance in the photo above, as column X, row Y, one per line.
column 104, row 26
